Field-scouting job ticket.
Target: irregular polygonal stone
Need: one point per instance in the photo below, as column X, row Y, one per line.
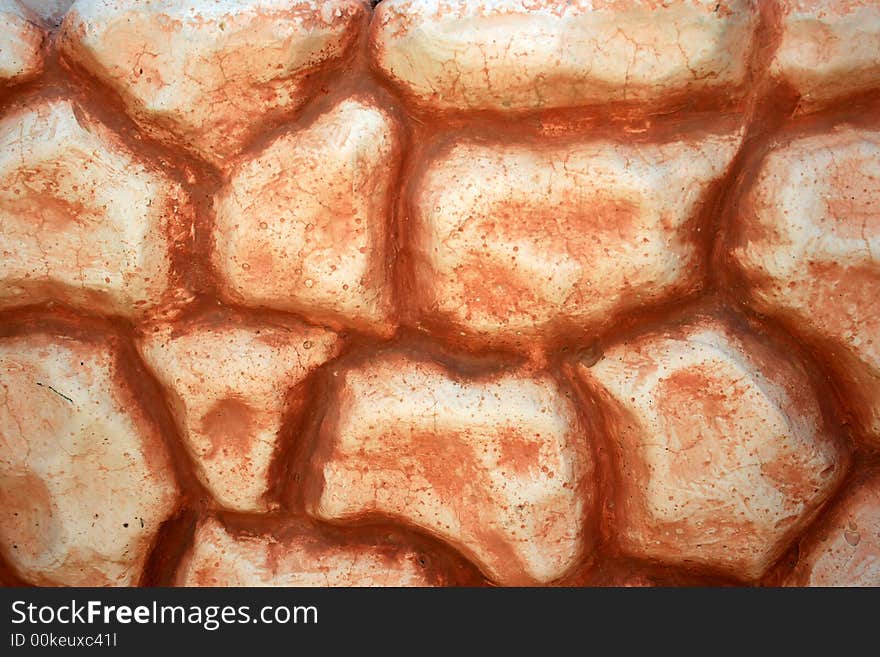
column 829, row 48
column 514, row 243
column 515, row 55
column 229, row 379
column 197, row 74
column 498, row 466
column 844, row 550
column 296, row 558
column 807, row 241
column 720, row 449
column 81, row 220
column 21, row 41
column 84, row 475
column 302, row 226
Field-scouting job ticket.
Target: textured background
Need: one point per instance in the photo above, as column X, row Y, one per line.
column 509, row 292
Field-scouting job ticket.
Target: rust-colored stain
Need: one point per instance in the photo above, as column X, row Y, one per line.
column 853, row 199
column 695, row 404
column 230, row 425
column 26, row 518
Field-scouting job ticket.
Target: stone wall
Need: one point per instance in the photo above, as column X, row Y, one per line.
column 440, row 292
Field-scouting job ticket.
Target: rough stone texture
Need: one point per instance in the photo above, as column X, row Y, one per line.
column 829, row 49
column 575, row 292
column 230, row 379
column 514, row 55
column 538, row 242
column 844, row 549
column 807, row 240
column 301, row 558
column 302, row 225
column 84, row 474
column 82, row 220
column 498, row 466
column 720, row 449
column 197, row 74
column 21, row 40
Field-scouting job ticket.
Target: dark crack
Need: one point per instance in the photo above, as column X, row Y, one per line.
column 60, row 394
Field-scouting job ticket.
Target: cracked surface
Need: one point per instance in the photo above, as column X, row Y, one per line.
column 230, row 379
column 498, row 467
column 85, row 478
column 301, row 557
column 510, row 55
column 843, row 550
column 82, row 221
column 302, row 225
column 540, row 241
column 198, row 73
column 720, row 448
column 829, row 49
column 439, row 293
column 808, row 242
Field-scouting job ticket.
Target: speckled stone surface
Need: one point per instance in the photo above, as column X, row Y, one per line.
column 439, row 293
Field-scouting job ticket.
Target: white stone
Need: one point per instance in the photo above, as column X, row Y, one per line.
column 829, row 49
column 85, row 477
column 302, row 226
column 545, row 54
column 229, row 379
column 298, row 558
column 206, row 75
column 82, row 221
column 498, row 466
column 514, row 244
column 721, row 452
column 807, row 242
